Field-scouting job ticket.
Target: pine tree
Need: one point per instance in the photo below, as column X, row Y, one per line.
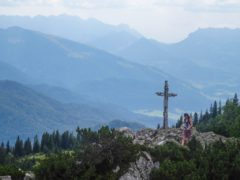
column 235, row 99
column 195, row 119
column 45, row 142
column 57, row 139
column 219, row 108
column 36, row 145
column 211, row 111
column 2, row 155
column 215, row 109
column 27, row 147
column 8, row 148
column 18, row 149
column 201, row 117
column 65, row 138
column 2, row 145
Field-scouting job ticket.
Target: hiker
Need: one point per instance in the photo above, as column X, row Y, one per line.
column 187, row 129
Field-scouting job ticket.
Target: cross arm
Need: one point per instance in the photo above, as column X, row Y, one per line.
column 160, row 93
column 172, row 94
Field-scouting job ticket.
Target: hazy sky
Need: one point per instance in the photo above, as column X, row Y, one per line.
column 164, row 20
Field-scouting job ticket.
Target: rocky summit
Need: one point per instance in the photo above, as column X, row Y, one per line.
column 153, row 137
column 142, row 168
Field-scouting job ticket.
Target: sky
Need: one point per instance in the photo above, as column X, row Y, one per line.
column 164, row 20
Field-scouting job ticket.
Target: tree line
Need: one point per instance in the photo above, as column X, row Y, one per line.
column 49, row 142
column 223, row 120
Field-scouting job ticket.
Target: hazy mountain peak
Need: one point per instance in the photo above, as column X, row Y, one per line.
column 214, row 34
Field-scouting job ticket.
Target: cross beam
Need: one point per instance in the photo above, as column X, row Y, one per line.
column 165, row 95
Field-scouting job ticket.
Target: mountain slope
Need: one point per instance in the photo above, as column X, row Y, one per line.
column 207, row 59
column 9, row 72
column 92, row 72
column 25, row 112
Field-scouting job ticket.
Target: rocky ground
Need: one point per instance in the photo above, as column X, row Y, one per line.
column 141, row 169
column 152, row 137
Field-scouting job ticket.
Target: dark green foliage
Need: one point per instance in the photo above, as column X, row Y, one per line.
column 217, row 161
column 27, row 147
column 170, row 170
column 57, row 166
column 102, row 152
column 221, row 120
column 98, row 154
column 8, row 148
column 12, row 171
column 18, row 149
column 169, row 151
column 235, row 99
column 195, row 119
column 2, row 155
column 36, row 145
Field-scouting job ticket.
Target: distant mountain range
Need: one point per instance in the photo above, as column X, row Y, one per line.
column 26, row 112
column 208, row 59
column 91, row 72
column 210, row 55
column 120, row 124
column 88, row 31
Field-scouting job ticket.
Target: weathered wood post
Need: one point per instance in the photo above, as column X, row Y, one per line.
column 165, row 95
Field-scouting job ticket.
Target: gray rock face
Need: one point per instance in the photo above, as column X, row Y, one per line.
column 5, row 178
column 29, row 176
column 153, row 137
column 141, row 169
column 127, row 132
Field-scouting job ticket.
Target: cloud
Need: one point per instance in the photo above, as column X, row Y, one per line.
column 187, row 5
column 88, row 4
column 202, row 5
column 27, row 2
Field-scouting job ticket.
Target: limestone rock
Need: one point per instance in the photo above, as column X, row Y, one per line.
column 116, row 170
column 141, row 169
column 29, row 176
column 127, row 132
column 153, row 137
column 5, row 178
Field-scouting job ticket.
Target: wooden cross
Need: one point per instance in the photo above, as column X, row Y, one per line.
column 165, row 94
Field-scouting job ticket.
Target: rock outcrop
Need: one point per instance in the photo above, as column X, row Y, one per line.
column 153, row 137
column 140, row 169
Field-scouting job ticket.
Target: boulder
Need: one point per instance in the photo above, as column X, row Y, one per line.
column 141, row 169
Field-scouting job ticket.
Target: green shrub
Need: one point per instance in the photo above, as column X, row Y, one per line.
column 12, row 171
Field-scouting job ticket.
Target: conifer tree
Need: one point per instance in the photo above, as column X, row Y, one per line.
column 235, row 99
column 219, row 108
column 2, row 145
column 215, row 109
column 27, row 147
column 195, row 119
column 18, row 149
column 8, row 148
column 36, row 145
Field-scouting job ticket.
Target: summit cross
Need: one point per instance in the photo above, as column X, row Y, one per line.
column 165, row 95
